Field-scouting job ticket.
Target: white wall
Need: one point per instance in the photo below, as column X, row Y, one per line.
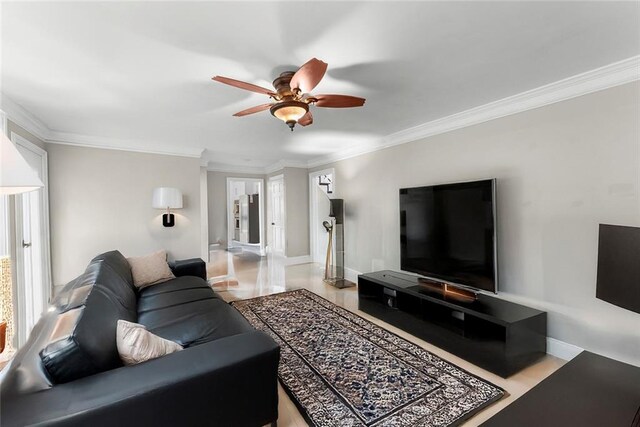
column 204, row 213
column 101, row 200
column 561, row 170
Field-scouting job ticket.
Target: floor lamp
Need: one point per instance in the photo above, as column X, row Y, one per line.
column 16, row 176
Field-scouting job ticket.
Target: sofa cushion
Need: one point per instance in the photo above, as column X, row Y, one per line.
column 104, row 276
column 185, row 310
column 174, row 292
column 109, row 271
column 177, row 284
column 150, row 269
column 118, row 263
column 25, row 373
column 137, row 345
column 104, row 294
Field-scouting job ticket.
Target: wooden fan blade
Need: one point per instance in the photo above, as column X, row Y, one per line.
column 306, row 120
column 243, row 85
column 309, row 75
column 253, row 110
column 338, row 101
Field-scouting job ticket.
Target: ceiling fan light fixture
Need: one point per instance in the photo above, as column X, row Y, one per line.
column 291, row 99
column 290, row 111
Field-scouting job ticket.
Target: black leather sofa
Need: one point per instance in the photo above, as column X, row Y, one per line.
column 69, row 372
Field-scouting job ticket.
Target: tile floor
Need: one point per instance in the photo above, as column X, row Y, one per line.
column 250, row 276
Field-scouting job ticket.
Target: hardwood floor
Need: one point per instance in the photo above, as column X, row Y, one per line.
column 250, row 276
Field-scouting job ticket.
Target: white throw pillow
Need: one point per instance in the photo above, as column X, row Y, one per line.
column 137, row 345
column 150, row 269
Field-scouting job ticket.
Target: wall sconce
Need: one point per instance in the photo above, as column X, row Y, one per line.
column 167, row 198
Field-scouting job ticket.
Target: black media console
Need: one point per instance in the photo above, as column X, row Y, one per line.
column 497, row 335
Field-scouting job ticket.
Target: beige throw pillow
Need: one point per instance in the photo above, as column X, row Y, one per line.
column 137, row 345
column 150, row 269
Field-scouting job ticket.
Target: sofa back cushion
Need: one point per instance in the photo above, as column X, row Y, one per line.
column 25, row 373
column 85, row 343
column 118, row 263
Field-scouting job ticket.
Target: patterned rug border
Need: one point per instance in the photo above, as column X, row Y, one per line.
column 303, row 411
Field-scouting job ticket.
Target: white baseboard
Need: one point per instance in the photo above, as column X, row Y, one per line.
column 562, row 350
column 351, row 275
column 295, row 260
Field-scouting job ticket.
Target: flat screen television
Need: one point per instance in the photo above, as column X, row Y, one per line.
column 448, row 233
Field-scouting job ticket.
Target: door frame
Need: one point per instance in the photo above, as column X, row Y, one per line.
column 279, row 177
column 261, row 194
column 45, row 236
column 313, row 210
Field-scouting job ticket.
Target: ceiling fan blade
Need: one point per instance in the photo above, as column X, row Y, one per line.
column 253, row 110
column 338, row 101
column 243, row 85
column 309, row 75
column 306, row 120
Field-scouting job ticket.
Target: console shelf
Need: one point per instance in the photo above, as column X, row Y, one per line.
column 497, row 335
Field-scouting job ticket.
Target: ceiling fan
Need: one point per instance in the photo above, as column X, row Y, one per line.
column 291, row 98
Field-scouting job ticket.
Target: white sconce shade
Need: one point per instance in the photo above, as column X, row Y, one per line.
column 167, row 198
column 16, row 176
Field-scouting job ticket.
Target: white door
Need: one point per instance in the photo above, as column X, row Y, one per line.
column 244, row 218
column 322, row 206
column 276, row 208
column 33, row 268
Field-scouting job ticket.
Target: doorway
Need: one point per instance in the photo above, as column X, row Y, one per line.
column 321, row 189
column 245, row 214
column 33, row 260
column 277, row 215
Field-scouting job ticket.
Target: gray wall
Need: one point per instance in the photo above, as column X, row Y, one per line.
column 561, row 169
column 217, row 195
column 101, row 200
column 296, row 184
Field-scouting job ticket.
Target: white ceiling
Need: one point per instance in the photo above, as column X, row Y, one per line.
column 138, row 75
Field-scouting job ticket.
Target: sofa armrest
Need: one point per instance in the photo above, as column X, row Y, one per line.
column 189, row 267
column 231, row 381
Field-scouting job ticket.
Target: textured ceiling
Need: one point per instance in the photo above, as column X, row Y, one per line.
column 138, row 74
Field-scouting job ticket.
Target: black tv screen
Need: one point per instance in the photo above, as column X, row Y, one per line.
column 618, row 278
column 448, row 232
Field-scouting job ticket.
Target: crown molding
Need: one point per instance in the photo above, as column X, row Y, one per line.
column 281, row 164
column 87, row 141
column 374, row 145
column 602, row 78
column 20, row 116
column 257, row 170
column 616, row 74
column 17, row 114
column 248, row 170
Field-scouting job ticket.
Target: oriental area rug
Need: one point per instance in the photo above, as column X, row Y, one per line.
column 342, row 370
